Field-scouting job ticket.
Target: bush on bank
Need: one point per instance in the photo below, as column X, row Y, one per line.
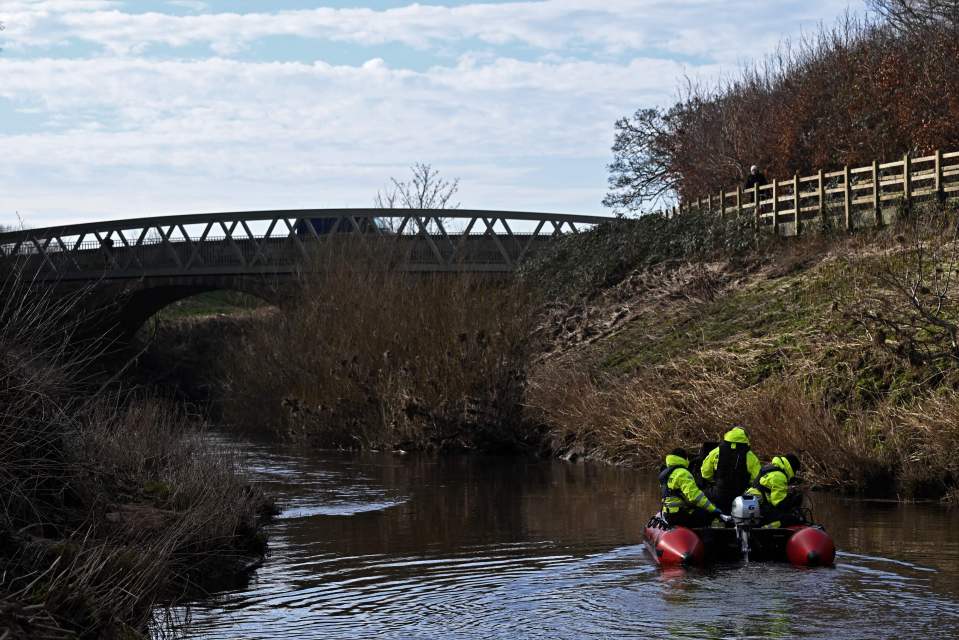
column 585, row 264
column 110, row 505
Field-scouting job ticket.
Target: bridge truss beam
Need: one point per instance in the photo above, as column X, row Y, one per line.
column 283, row 242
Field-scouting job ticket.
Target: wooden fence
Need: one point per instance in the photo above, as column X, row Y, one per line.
column 850, row 198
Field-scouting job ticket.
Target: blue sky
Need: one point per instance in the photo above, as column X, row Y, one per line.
column 114, row 109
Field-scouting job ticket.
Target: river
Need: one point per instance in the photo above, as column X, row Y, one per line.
column 464, row 547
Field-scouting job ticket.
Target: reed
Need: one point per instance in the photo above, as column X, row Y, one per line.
column 110, row 503
column 369, row 358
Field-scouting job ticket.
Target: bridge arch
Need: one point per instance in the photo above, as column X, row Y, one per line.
column 131, row 307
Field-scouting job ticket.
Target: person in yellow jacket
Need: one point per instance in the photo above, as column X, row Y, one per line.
column 778, row 505
column 684, row 504
column 732, row 467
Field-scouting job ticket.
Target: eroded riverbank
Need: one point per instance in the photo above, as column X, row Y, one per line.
column 378, row 545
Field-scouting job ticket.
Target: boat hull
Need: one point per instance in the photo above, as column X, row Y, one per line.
column 675, row 547
column 802, row 545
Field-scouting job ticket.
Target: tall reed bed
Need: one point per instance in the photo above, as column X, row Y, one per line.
column 368, row 358
column 889, row 451
column 110, row 504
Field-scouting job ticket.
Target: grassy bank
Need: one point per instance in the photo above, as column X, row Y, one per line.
column 111, row 504
column 816, row 345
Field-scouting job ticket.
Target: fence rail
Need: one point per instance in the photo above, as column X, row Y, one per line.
column 850, row 198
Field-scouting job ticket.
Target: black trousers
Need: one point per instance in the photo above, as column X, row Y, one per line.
column 723, row 497
column 691, row 519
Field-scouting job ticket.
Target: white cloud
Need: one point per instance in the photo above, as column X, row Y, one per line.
column 721, row 29
column 178, row 113
column 126, row 133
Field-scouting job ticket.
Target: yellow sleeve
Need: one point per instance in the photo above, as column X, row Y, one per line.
column 753, row 466
column 778, row 487
column 685, row 482
column 709, row 465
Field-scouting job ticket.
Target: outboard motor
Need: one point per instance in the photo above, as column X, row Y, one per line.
column 746, row 514
column 746, row 510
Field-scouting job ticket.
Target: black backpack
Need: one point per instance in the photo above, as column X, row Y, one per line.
column 732, row 470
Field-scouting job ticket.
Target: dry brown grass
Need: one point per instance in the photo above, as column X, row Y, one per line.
column 904, row 451
column 373, row 359
column 109, row 504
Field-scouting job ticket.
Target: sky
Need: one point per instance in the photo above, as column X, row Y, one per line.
column 120, row 108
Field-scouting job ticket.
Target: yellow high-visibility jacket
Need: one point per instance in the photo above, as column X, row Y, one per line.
column 773, row 482
column 734, row 436
column 680, row 491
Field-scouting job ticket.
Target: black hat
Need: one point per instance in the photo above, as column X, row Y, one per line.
column 793, row 460
column 679, row 451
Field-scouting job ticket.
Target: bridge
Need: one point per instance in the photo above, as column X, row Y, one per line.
column 141, row 265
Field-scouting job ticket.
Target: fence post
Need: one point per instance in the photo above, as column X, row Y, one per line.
column 757, row 210
column 847, row 200
column 796, row 200
column 739, row 202
column 822, row 199
column 776, row 206
column 907, row 179
column 709, row 203
column 938, row 185
column 876, row 194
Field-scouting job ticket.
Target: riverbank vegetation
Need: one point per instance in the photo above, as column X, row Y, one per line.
column 371, row 359
column 624, row 341
column 839, row 347
column 112, row 503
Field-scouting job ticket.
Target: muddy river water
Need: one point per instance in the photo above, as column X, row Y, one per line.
column 385, row 546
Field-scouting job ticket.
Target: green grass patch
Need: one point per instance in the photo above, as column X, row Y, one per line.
column 211, row 303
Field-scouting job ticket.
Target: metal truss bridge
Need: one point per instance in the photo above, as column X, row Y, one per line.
column 128, row 270
column 281, row 243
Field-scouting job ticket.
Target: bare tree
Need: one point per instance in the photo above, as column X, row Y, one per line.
column 909, row 302
column 642, row 170
column 425, row 189
column 915, row 15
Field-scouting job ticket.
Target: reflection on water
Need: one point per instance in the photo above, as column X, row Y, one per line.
column 466, row 547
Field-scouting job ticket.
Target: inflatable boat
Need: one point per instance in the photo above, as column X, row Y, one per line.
column 803, row 545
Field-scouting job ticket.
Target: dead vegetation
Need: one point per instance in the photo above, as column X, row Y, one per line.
column 373, row 359
column 876, row 86
column 783, row 341
column 110, row 504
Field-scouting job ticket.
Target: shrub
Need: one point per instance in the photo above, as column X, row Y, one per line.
column 582, row 264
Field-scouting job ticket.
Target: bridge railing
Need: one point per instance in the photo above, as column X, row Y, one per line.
column 280, row 241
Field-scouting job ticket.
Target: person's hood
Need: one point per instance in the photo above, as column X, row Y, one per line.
column 783, row 464
column 676, row 461
column 737, row 435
